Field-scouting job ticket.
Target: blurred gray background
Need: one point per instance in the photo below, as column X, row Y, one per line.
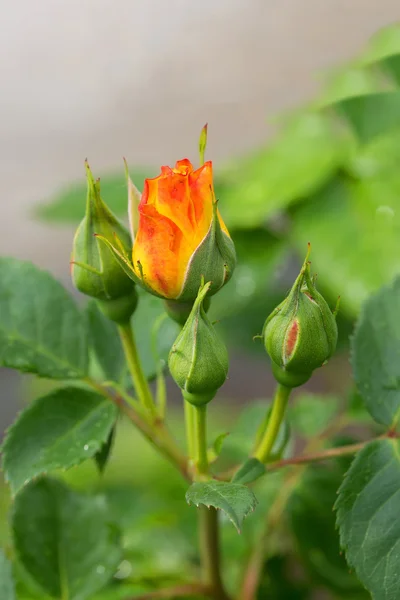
column 138, row 78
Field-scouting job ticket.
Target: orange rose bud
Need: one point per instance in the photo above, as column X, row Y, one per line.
column 181, row 235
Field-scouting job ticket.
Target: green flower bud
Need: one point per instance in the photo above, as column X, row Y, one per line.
column 301, row 334
column 94, row 269
column 198, row 360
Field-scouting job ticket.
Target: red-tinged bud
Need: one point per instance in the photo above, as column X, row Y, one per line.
column 301, row 333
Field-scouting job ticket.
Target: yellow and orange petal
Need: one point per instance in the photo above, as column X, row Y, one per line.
column 175, row 215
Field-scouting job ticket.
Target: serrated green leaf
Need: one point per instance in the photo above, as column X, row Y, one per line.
column 102, row 456
column 69, row 205
column 251, row 470
column 365, row 254
column 64, row 539
column 304, row 155
column 371, row 115
column 376, row 354
column 235, row 500
column 57, row 431
column 7, row 591
column 41, row 329
column 311, row 414
column 106, row 344
column 367, row 517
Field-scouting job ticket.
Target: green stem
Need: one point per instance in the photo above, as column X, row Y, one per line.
column 190, row 416
column 135, row 367
column 208, row 517
column 200, row 439
column 210, row 551
column 156, row 433
column 278, row 411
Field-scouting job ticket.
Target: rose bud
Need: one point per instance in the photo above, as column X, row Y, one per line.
column 180, row 235
column 94, row 268
column 198, row 360
column 301, row 333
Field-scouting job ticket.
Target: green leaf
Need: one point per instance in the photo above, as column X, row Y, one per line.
column 6, row 579
column 216, row 448
column 304, row 155
column 367, row 517
column 106, row 344
column 235, row 500
column 123, row 591
column 364, row 256
column 64, row 539
column 384, row 53
column 251, row 470
column 376, row 163
column 372, row 115
column 102, row 456
column 392, row 66
column 356, row 409
column 219, row 440
column 41, row 329
column 383, row 44
column 376, row 354
column 69, row 205
column 349, row 82
column 57, row 431
column 311, row 414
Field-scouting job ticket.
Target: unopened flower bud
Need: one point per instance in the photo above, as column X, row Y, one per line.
column 179, row 234
column 301, row 334
column 94, row 268
column 198, row 360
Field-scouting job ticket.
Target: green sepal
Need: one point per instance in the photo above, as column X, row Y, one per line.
column 214, row 260
column 198, row 360
column 125, row 262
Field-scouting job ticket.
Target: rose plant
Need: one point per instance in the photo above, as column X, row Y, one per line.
column 70, row 545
